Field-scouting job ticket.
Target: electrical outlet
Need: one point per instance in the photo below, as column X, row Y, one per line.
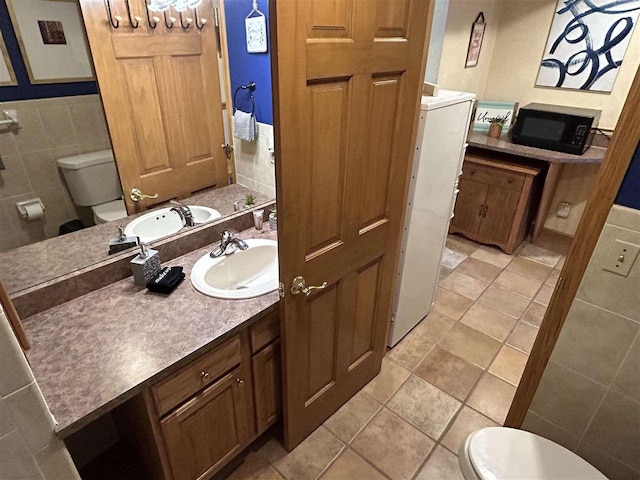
column 623, row 255
column 563, row 209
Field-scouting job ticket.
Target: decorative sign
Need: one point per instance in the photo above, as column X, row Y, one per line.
column 486, row 110
column 475, row 42
column 256, row 28
column 587, row 43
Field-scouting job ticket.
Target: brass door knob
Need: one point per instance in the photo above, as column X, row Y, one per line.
column 137, row 195
column 299, row 286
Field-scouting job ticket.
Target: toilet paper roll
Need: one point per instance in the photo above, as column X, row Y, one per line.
column 34, row 211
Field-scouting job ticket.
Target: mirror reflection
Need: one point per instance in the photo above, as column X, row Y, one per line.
column 86, row 175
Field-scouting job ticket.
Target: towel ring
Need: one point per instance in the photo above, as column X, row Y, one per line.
column 251, row 86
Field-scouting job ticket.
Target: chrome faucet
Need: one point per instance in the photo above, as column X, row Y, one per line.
column 184, row 212
column 229, row 244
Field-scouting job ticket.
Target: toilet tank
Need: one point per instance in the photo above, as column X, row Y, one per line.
column 92, row 177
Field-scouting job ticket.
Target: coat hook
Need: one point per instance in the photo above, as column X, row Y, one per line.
column 167, row 24
column 131, row 19
column 115, row 24
column 155, row 19
column 199, row 24
column 189, row 21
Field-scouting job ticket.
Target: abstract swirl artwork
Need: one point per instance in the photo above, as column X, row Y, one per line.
column 587, row 43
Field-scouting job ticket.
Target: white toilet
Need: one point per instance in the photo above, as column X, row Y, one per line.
column 500, row 453
column 93, row 182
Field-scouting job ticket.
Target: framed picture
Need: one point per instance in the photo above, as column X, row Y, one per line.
column 52, row 40
column 256, row 30
column 7, row 75
column 475, row 41
column 486, row 109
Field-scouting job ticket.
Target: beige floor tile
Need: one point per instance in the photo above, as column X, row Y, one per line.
column 387, row 382
column 470, row 344
column 272, row 451
column 493, row 256
column 311, row 457
column 441, row 465
column 411, row 350
column 544, row 295
column 394, row 446
column 478, row 269
column 553, row 278
column 451, row 258
column 506, row 302
column 492, row 397
column 466, row 422
column 449, row 373
column 254, row 467
column 487, row 320
column 509, row 365
column 351, row 466
column 461, row 244
column 530, row 269
column 540, row 255
column 425, row 406
column 352, row 416
column 560, row 263
column 434, row 326
column 451, row 304
column 464, row 285
column 523, row 337
column 534, row 314
column 516, row 283
column 444, row 271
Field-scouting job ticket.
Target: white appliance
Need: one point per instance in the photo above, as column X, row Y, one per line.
column 437, row 164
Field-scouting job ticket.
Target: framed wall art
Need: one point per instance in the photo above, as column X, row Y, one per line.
column 52, row 40
column 7, row 75
column 475, row 41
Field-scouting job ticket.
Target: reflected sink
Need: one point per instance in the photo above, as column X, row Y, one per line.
column 163, row 222
column 243, row 274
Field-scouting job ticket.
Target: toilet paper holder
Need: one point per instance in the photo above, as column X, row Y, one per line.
column 22, row 206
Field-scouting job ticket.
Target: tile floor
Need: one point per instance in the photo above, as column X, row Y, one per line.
column 456, row 372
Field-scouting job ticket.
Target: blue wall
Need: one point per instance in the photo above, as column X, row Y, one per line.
column 245, row 67
column 24, row 90
column 629, row 193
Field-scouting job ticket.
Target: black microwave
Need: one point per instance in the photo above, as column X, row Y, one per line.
column 554, row 127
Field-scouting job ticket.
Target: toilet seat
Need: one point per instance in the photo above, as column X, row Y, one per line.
column 500, row 453
column 110, row 211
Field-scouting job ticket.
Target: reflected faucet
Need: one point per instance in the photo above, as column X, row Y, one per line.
column 229, row 244
column 184, row 212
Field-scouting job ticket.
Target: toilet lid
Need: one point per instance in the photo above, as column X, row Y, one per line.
column 499, row 453
column 107, row 212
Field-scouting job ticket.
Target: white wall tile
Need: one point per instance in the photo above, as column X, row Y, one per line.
column 254, row 162
column 55, row 462
column 14, row 370
column 7, row 425
column 16, row 463
column 32, row 416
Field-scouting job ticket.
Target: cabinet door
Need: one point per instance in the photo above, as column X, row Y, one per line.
column 498, row 214
column 469, row 206
column 267, row 386
column 203, row 434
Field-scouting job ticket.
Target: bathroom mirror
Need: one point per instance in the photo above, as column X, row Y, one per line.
column 58, row 155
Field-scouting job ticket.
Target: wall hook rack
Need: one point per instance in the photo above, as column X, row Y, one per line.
column 132, row 18
column 199, row 23
column 152, row 24
column 189, row 21
column 167, row 24
column 115, row 21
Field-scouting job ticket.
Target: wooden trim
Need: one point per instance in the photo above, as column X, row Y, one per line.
column 14, row 318
column 616, row 162
column 7, row 61
column 501, row 164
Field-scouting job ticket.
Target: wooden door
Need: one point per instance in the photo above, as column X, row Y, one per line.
column 498, row 214
column 348, row 80
column 469, row 206
column 207, row 431
column 161, row 95
column 267, row 386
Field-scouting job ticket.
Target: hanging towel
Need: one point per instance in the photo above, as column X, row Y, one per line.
column 244, row 126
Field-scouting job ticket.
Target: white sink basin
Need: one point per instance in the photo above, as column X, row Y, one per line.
column 243, row 274
column 163, row 222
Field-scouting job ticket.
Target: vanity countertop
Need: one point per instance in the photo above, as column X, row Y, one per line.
column 97, row 351
column 503, row 145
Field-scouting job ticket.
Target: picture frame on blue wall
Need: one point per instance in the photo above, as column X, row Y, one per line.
column 52, row 62
column 7, row 75
column 256, row 30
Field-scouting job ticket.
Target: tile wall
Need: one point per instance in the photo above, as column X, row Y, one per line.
column 589, row 396
column 28, row 446
column 50, row 128
column 255, row 167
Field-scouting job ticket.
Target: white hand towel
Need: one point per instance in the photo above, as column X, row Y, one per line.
column 244, row 126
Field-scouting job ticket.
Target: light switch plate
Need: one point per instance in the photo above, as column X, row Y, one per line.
column 623, row 255
column 563, row 209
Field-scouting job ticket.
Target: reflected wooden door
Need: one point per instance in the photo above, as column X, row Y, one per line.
column 161, row 95
column 348, row 76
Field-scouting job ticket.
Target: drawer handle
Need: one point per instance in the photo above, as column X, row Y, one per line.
column 204, row 376
column 240, row 381
column 486, row 207
column 510, row 180
column 481, row 210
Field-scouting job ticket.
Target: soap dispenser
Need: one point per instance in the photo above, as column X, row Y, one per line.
column 146, row 265
column 121, row 242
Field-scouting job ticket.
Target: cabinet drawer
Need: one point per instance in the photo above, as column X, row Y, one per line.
column 493, row 176
column 197, row 375
column 265, row 331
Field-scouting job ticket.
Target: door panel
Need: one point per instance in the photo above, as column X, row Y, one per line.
column 469, row 206
column 348, row 78
column 162, row 101
column 500, row 208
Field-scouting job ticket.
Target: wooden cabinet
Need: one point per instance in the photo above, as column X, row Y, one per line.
column 494, row 202
column 267, row 386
